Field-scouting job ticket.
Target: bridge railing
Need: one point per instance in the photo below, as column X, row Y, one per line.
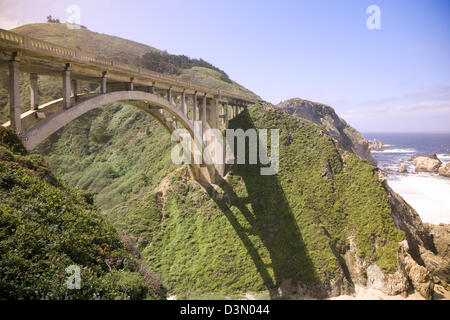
column 11, row 36
column 33, row 44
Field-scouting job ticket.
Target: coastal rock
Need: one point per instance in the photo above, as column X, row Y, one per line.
column 391, row 284
column 376, row 145
column 439, row 263
column 441, row 238
column 444, row 170
column 420, row 277
column 431, row 156
column 364, row 273
column 419, row 257
column 402, row 168
column 438, row 266
column 428, row 163
column 348, row 138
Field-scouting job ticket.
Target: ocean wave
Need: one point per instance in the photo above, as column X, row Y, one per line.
column 426, row 193
column 444, row 157
column 396, row 151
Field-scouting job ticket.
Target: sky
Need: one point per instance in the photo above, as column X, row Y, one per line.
column 393, row 79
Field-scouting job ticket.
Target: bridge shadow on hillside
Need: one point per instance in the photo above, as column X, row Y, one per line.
column 272, row 221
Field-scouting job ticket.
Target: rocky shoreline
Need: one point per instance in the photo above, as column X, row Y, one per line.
column 424, row 256
column 377, row 145
column 424, row 163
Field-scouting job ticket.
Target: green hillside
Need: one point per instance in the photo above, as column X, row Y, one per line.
column 85, row 40
column 261, row 233
column 46, row 227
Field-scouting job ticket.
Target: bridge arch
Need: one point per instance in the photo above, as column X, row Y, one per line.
column 145, row 101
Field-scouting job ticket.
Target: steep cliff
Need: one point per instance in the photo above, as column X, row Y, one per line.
column 349, row 139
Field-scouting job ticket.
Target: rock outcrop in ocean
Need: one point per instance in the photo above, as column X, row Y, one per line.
column 428, row 163
column 444, row 170
column 376, row 145
column 403, row 169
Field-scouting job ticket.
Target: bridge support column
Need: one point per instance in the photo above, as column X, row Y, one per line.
column 130, row 85
column 34, row 94
column 215, row 113
column 169, row 95
column 75, row 90
column 203, row 118
column 203, row 114
column 214, row 123
column 183, row 103
column 14, row 96
column 150, row 89
column 66, row 88
column 194, row 107
column 103, row 83
column 226, row 116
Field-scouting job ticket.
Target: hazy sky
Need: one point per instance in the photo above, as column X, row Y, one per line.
column 393, row 79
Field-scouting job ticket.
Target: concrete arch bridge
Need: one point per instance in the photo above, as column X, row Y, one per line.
column 172, row 102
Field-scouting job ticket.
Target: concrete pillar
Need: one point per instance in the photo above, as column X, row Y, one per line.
column 14, row 97
column 214, row 122
column 204, row 117
column 226, row 116
column 236, row 110
column 34, row 94
column 150, row 89
column 184, row 104
column 75, row 90
column 130, row 85
column 169, row 95
column 103, row 86
column 194, row 107
column 66, row 89
column 214, row 119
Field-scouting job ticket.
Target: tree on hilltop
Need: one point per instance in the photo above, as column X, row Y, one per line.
column 50, row 19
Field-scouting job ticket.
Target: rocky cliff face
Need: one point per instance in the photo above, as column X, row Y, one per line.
column 349, row 139
column 423, row 257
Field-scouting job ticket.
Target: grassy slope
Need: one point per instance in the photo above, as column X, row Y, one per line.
column 97, row 43
column 46, row 227
column 211, row 78
column 265, row 231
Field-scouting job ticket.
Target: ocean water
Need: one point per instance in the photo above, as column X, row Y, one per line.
column 427, row 193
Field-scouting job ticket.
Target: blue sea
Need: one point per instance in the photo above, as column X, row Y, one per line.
column 427, row 193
